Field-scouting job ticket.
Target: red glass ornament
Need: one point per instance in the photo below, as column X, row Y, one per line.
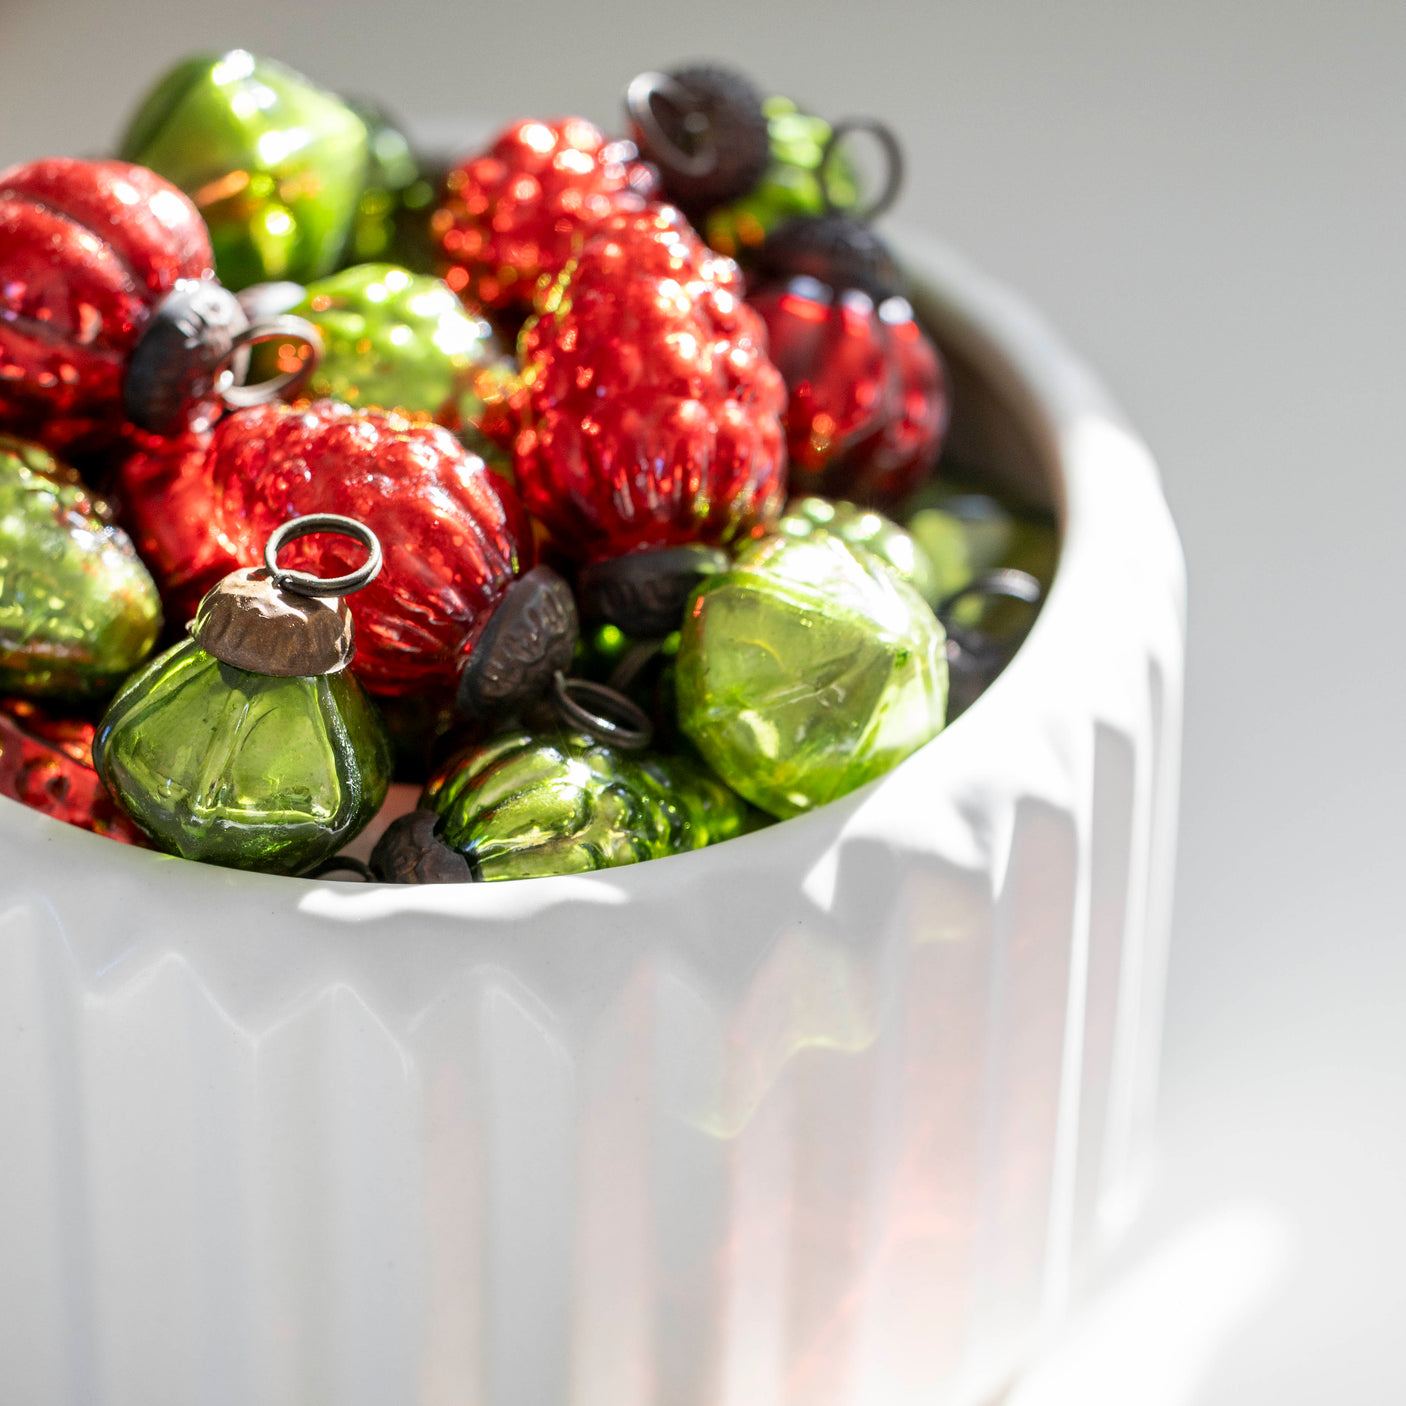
column 651, row 414
column 868, row 402
column 87, row 251
column 453, row 533
column 47, row 764
column 518, row 212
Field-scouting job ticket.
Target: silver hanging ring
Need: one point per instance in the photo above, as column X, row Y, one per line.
column 606, row 715
column 639, row 102
column 230, row 385
column 893, row 181
column 304, row 583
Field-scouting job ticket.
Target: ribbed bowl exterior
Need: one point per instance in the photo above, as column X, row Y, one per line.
column 832, row 1115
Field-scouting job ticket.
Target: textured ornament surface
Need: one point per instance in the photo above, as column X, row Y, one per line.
column 868, row 397
column 87, row 249
column 864, row 527
column 524, row 806
column 275, row 164
column 807, row 670
column 514, row 215
column 46, row 763
column 453, row 533
column 401, row 341
column 78, row 609
column 243, row 769
column 651, row 415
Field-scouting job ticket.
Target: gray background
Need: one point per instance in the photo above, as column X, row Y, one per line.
column 1210, row 202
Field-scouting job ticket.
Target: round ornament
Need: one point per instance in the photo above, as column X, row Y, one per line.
column 78, row 609
column 275, row 165
column 807, row 670
column 249, row 744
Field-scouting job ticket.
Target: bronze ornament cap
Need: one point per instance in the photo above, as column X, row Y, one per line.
column 252, row 623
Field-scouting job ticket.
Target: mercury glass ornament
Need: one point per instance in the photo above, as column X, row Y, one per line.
column 275, row 164
column 78, row 610
column 402, row 341
column 863, row 527
column 807, row 670
column 249, row 745
column 525, row 805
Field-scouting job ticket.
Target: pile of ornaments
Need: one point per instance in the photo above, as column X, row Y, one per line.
column 283, row 519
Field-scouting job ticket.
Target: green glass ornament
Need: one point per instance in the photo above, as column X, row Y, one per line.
column 807, row 670
column 78, row 610
column 275, row 165
column 525, row 805
column 400, row 341
column 393, row 184
column 791, row 185
column 964, row 534
column 863, row 527
column 249, row 745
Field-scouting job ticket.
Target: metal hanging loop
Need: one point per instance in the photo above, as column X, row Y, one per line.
column 304, row 583
column 640, row 97
column 893, row 178
column 1007, row 582
column 342, row 864
column 230, row 383
column 606, row 715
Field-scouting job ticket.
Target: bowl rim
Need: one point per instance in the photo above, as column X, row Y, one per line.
column 1036, row 377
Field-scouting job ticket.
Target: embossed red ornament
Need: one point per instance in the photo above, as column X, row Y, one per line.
column 520, row 210
column 453, row 533
column 47, row 764
column 88, row 249
column 651, row 413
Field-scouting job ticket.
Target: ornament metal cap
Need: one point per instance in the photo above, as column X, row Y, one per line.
column 289, row 624
column 644, row 593
column 412, row 852
column 195, row 347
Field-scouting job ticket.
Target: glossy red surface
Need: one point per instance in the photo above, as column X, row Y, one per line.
column 519, row 211
column 453, row 533
column 47, row 764
column 651, row 414
column 87, row 249
column 868, row 402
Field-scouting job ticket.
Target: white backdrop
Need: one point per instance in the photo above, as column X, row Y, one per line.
column 1210, row 201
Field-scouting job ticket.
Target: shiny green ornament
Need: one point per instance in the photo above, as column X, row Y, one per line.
column 402, row 341
column 393, row 184
column 78, row 610
column 249, row 745
column 965, row 534
column 791, row 185
column 863, row 527
column 525, row 805
column 807, row 670
column 276, row 165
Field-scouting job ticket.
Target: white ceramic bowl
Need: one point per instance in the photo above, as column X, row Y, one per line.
column 830, row 1115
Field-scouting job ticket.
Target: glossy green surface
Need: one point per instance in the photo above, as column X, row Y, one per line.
column 78, row 610
column 790, row 185
column 254, row 772
column 393, row 183
column 863, row 527
column 807, row 670
column 524, row 805
column 275, row 165
column 403, row 341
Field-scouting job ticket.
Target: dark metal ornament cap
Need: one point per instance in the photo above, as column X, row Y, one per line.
column 645, row 593
column 412, row 852
column 704, row 127
column 530, row 636
column 836, row 250
column 249, row 621
column 194, row 349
